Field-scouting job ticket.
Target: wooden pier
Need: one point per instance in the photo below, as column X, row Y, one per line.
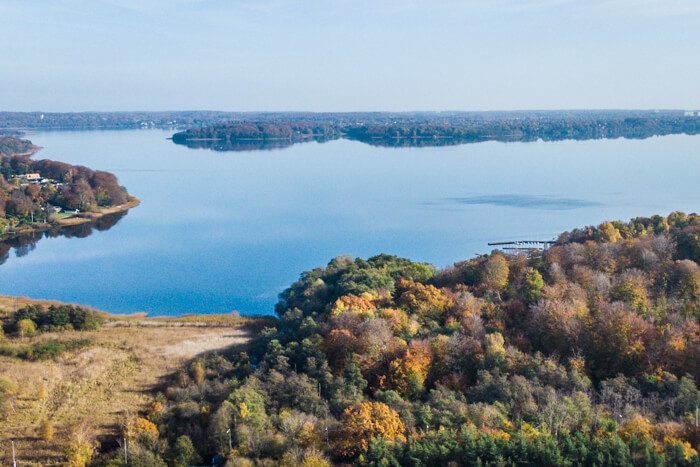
column 524, row 245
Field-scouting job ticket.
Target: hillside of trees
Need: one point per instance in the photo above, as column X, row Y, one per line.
column 70, row 187
column 10, row 145
column 586, row 354
column 437, row 129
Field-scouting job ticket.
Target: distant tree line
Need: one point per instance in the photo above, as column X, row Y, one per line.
column 14, row 121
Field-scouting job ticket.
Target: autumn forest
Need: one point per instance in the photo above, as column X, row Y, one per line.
column 586, row 354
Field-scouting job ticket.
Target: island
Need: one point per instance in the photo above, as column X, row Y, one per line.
column 38, row 195
column 435, row 128
column 583, row 352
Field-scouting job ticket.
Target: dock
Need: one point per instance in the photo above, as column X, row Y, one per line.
column 524, row 245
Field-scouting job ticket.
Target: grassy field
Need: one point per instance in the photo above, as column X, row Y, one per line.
column 127, row 361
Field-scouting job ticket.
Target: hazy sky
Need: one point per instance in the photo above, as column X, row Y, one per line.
column 345, row 55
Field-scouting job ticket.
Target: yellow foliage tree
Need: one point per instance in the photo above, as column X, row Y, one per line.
column 365, row 422
column 315, row 461
column 360, row 305
column 155, row 409
column 141, row 425
column 686, row 448
column 26, row 328
column 46, row 430
column 608, row 233
column 197, row 372
column 638, row 426
column 494, row 346
column 495, row 272
column 80, row 446
column 423, row 299
column 397, row 318
column 631, row 289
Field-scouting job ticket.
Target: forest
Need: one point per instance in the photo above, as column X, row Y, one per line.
column 585, row 354
column 67, row 186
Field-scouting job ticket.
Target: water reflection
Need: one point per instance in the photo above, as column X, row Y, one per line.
column 386, row 142
column 25, row 244
column 249, row 144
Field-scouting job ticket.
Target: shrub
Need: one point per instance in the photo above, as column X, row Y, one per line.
column 46, row 430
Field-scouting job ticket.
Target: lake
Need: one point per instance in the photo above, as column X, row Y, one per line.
column 223, row 231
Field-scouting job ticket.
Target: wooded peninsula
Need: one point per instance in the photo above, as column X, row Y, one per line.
column 587, row 353
column 36, row 195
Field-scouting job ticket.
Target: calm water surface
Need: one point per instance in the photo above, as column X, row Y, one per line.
column 223, row 231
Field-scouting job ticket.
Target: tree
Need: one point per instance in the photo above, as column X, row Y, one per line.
column 607, row 233
column 495, row 272
column 197, row 372
column 183, row 452
column 630, row 287
column 360, row 305
column 365, row 422
column 556, row 325
column 532, row 285
column 687, row 274
column 80, row 446
column 407, row 374
column 26, row 327
column 495, row 353
column 618, row 341
column 46, row 430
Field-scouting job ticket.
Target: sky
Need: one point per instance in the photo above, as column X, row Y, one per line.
column 348, row 55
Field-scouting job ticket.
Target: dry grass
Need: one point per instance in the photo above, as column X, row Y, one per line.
column 132, row 356
column 11, row 304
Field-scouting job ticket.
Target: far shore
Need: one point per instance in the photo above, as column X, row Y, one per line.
column 81, row 218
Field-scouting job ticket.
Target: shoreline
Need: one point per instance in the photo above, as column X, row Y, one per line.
column 29, row 153
column 78, row 219
column 10, row 303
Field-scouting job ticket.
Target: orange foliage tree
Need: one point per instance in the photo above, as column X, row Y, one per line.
column 407, row 374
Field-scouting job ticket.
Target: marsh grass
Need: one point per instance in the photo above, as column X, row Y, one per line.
column 99, row 375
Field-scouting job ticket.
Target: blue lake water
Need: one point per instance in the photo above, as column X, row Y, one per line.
column 223, row 231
